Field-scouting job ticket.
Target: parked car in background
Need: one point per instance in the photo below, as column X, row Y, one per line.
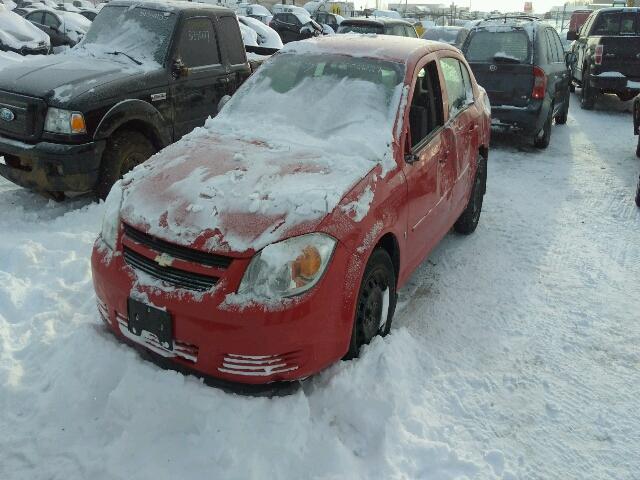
column 144, row 75
column 452, row 35
column 20, row 36
column 263, row 254
column 266, row 36
column 294, row 26
column 255, row 11
column 578, row 17
column 89, row 14
column 63, row 28
column 521, row 63
column 606, row 56
column 327, row 18
column 379, row 25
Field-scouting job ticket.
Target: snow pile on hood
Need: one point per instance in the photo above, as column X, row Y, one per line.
column 266, row 36
column 16, row 32
column 249, row 35
column 270, row 165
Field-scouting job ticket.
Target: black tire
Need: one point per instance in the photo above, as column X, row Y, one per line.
column 468, row 221
column 561, row 118
column 543, row 137
column 588, row 97
column 125, row 150
column 625, row 96
column 572, row 87
column 379, row 275
column 638, row 193
column 638, row 147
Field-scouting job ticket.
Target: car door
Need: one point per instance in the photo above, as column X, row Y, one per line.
column 427, row 147
column 196, row 90
column 461, row 120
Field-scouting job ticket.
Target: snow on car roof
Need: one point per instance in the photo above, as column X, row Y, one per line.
column 391, row 48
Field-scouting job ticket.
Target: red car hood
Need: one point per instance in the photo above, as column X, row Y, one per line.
column 224, row 194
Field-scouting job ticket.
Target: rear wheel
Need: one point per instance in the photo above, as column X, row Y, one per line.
column 638, row 147
column 543, row 137
column 638, row 194
column 572, row 87
column 625, row 96
column 376, row 301
column 468, row 220
column 588, row 97
column 561, row 118
column 125, row 150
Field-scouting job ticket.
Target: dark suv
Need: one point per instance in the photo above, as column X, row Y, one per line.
column 606, row 58
column 521, row 63
column 379, row 25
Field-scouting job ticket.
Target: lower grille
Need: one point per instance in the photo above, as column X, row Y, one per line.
column 170, row 275
column 258, row 365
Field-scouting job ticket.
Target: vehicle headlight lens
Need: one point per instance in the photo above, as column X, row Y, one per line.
column 111, row 220
column 288, row 268
column 64, row 121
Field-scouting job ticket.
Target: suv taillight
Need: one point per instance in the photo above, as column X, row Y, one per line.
column 539, row 83
column 598, row 55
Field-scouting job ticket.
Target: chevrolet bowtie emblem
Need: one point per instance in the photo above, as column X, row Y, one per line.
column 164, row 260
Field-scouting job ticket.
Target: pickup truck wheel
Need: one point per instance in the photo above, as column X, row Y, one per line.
column 376, row 302
column 468, row 220
column 588, row 97
column 125, row 150
column 543, row 137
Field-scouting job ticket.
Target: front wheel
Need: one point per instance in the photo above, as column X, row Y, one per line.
column 470, row 217
column 125, row 150
column 376, row 302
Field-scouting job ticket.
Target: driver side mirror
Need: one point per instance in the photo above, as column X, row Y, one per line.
column 572, row 35
column 569, row 58
column 179, row 69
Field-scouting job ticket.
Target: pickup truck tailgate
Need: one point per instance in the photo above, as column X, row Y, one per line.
column 621, row 54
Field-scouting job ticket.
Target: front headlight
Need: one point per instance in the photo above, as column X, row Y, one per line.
column 111, row 220
column 64, row 121
column 288, row 268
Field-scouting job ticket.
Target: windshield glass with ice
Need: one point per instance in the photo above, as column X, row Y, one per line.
column 308, row 93
column 140, row 33
column 490, row 46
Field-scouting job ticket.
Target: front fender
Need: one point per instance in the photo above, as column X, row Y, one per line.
column 134, row 110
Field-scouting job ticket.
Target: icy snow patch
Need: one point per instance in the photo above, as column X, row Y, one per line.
column 359, row 208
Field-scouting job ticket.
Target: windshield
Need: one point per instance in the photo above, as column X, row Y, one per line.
column 309, row 92
column 487, row 46
column 361, row 28
column 142, row 33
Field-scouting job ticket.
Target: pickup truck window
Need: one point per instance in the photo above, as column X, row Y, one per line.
column 198, row 46
column 615, row 23
column 230, row 36
column 426, row 111
column 142, row 33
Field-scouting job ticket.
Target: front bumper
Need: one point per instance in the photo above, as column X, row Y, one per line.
column 239, row 343
column 528, row 120
column 51, row 166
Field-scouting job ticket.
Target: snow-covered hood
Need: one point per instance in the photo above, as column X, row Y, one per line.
column 221, row 193
column 16, row 32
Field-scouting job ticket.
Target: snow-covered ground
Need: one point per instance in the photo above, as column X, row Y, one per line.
column 514, row 353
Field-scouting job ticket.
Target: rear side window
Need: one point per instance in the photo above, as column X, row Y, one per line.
column 553, row 55
column 231, row 38
column 456, row 89
column 198, row 46
column 485, row 46
column 615, row 23
column 360, row 28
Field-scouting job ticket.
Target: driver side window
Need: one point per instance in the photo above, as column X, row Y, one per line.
column 35, row 17
column 426, row 112
column 456, row 90
column 51, row 21
column 198, row 46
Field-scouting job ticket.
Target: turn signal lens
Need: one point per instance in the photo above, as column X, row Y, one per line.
column 77, row 123
column 306, row 266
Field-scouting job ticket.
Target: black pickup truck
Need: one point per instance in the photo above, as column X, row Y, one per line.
column 607, row 54
column 144, row 75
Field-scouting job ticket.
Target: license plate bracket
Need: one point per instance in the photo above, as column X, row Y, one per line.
column 151, row 319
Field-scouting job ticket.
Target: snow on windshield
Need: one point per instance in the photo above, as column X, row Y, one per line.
column 308, row 93
column 141, row 33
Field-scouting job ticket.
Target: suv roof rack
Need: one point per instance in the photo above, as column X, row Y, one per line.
column 524, row 16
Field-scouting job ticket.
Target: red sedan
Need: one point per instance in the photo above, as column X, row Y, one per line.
column 271, row 243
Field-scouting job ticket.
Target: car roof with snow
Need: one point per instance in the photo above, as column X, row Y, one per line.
column 169, row 5
column 391, row 48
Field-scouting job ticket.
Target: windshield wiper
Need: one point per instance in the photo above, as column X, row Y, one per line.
column 505, row 59
column 116, row 52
